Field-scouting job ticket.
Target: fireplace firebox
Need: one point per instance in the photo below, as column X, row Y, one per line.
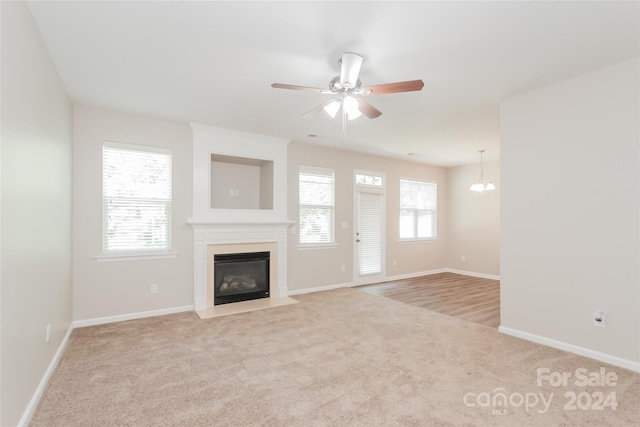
column 240, row 277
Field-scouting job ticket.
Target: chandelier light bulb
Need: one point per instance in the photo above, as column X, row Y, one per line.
column 477, row 187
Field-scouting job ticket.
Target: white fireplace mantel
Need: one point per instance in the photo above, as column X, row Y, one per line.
column 206, row 234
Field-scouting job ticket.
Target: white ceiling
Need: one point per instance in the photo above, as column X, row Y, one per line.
column 213, row 63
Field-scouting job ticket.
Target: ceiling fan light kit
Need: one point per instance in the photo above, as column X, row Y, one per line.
column 332, row 108
column 350, row 107
column 347, row 88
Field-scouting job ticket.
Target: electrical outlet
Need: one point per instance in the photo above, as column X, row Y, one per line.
column 599, row 319
column 154, row 288
column 48, row 332
column 343, row 268
column 463, row 258
column 395, row 262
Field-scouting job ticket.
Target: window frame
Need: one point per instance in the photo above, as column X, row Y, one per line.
column 417, row 212
column 141, row 253
column 313, row 170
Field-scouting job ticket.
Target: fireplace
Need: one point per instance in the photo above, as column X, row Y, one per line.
column 240, row 277
column 221, row 226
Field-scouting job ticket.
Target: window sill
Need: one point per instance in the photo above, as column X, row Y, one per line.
column 433, row 239
column 309, row 247
column 135, row 257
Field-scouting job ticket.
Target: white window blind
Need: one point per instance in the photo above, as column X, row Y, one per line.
column 316, row 195
column 418, row 209
column 136, row 199
column 370, row 234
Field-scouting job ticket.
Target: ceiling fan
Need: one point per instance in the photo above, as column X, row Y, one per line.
column 346, row 85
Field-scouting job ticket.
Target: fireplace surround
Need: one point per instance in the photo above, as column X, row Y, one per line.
column 212, row 239
column 222, row 250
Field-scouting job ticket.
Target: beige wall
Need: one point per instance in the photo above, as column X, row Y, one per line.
column 243, row 179
column 104, row 289
column 321, row 267
column 36, row 211
column 474, row 220
column 570, row 211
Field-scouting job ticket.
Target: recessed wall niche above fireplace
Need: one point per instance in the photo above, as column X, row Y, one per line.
column 241, row 183
column 238, row 177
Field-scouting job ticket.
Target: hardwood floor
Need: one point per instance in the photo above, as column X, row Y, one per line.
column 466, row 297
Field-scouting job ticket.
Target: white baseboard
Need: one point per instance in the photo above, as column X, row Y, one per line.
column 591, row 354
column 321, row 288
column 130, row 316
column 393, row 278
column 33, row 403
column 473, row 274
column 416, row 274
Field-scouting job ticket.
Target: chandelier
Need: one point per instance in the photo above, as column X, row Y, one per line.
column 479, row 186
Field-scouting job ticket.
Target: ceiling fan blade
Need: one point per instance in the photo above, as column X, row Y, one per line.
column 408, row 86
column 295, row 87
column 368, row 109
column 350, row 69
column 317, row 109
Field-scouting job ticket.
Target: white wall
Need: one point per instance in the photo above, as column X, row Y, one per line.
column 570, row 213
column 316, row 268
column 36, row 211
column 474, row 220
column 104, row 289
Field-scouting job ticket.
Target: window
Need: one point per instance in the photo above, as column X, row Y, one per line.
column 136, row 184
column 316, row 195
column 418, row 208
column 369, row 180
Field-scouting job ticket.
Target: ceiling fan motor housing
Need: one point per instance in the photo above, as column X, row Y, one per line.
column 335, row 85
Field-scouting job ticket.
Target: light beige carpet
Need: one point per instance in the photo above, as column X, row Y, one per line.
column 338, row 358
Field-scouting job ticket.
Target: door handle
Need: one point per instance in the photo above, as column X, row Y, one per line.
column 357, row 240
